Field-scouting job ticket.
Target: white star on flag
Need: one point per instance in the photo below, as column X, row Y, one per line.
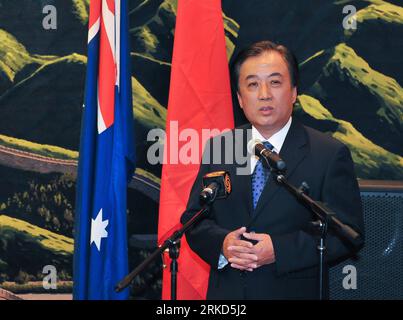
column 98, row 230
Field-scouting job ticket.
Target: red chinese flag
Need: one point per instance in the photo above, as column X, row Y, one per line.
column 199, row 98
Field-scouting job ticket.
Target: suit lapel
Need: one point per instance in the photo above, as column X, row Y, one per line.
column 293, row 151
column 243, row 181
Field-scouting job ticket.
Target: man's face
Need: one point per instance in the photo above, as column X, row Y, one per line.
column 265, row 92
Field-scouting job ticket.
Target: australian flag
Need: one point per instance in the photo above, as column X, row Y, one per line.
column 107, row 156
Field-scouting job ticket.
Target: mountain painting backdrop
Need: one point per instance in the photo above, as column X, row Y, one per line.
column 351, row 88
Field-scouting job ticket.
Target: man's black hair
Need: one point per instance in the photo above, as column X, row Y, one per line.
column 259, row 48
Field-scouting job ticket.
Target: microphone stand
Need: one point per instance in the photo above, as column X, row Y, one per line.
column 326, row 218
column 173, row 244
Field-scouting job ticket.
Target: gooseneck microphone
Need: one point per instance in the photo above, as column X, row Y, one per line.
column 216, row 185
column 273, row 160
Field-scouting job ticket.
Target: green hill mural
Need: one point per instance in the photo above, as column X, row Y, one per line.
column 370, row 100
column 377, row 26
column 28, row 248
column 370, row 159
column 351, row 88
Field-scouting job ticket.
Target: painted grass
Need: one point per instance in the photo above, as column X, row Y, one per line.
column 13, row 55
column 40, row 149
column 231, row 27
column 148, row 175
column 81, row 10
column 366, row 155
column 386, row 89
column 147, row 109
column 379, row 10
column 47, row 239
column 37, row 287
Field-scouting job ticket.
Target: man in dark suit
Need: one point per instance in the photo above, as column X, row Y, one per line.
column 259, row 242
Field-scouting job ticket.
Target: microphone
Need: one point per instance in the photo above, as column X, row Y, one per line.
column 256, row 147
column 216, row 185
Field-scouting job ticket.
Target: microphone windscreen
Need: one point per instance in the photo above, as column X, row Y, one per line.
column 252, row 144
column 223, row 181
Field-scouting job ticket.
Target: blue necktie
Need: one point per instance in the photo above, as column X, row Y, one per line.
column 259, row 177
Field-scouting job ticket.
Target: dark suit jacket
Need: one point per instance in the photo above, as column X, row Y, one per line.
column 311, row 156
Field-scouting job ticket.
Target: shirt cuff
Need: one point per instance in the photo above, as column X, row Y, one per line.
column 222, row 262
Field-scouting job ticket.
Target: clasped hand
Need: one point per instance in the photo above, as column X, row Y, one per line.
column 243, row 255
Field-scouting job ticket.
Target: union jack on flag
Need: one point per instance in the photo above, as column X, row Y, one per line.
column 107, row 156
